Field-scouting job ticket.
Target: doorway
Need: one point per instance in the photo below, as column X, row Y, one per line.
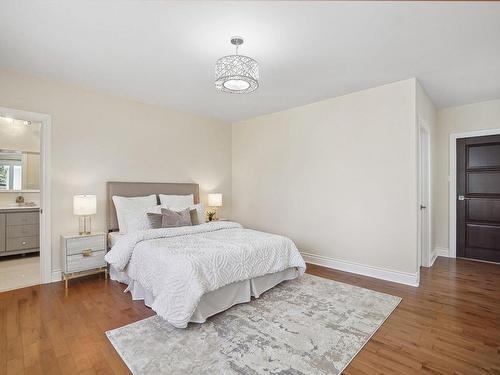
column 25, row 240
column 424, row 220
column 478, row 198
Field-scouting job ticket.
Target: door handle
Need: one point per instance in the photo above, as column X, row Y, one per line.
column 461, row 198
column 423, row 207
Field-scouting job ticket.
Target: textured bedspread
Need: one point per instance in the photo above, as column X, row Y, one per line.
column 179, row 265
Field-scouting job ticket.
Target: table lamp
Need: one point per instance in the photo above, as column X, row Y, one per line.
column 84, row 206
column 215, row 201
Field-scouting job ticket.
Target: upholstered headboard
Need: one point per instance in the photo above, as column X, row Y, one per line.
column 138, row 189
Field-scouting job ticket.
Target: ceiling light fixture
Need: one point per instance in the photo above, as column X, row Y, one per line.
column 236, row 74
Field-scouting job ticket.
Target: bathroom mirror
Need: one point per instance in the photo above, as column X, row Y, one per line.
column 19, row 170
column 19, row 155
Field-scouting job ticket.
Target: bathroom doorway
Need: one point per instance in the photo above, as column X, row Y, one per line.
column 23, row 250
column 19, row 203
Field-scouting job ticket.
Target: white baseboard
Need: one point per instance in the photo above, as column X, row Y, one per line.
column 442, row 252
column 362, row 269
column 434, row 256
column 56, row 275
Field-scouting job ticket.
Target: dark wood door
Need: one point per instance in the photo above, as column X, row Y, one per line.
column 478, row 198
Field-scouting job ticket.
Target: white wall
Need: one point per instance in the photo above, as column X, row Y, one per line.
column 98, row 137
column 337, row 176
column 471, row 117
column 18, row 136
column 427, row 116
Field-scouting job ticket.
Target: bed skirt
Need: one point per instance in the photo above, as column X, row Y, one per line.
column 217, row 300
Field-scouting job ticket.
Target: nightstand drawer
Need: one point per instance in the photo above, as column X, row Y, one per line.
column 78, row 244
column 87, row 261
column 15, row 231
column 21, row 218
column 22, row 243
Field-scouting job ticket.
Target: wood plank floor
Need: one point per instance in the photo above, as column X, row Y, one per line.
column 449, row 325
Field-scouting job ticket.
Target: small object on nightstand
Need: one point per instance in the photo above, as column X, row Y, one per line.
column 83, row 255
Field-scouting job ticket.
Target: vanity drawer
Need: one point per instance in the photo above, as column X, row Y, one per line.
column 2, row 232
column 22, row 243
column 85, row 261
column 78, row 244
column 22, row 218
column 15, row 231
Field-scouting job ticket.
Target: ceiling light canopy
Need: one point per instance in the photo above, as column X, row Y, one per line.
column 236, row 74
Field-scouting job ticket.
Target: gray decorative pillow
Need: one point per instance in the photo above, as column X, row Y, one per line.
column 194, row 216
column 171, row 219
column 154, row 220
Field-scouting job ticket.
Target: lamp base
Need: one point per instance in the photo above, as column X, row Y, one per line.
column 84, row 225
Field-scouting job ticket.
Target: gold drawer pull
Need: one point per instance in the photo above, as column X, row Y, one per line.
column 87, row 253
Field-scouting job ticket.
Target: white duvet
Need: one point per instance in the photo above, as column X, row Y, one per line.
column 180, row 265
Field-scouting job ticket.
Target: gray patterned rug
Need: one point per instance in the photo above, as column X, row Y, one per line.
column 310, row 325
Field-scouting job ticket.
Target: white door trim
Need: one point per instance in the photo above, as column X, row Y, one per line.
column 452, row 179
column 45, row 204
column 424, row 259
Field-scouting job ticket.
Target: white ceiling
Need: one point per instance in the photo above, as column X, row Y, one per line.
column 164, row 52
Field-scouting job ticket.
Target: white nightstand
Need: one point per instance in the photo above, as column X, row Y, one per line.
column 83, row 255
column 224, row 219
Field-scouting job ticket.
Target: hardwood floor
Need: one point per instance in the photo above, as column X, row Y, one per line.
column 449, row 325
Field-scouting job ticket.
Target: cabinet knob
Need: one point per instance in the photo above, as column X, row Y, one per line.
column 23, row 243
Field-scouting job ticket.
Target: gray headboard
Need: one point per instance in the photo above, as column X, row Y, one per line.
column 138, row 189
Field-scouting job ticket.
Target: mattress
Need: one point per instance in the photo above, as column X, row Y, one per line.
column 113, row 237
column 215, row 301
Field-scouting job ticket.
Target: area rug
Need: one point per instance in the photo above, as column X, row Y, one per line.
column 310, row 325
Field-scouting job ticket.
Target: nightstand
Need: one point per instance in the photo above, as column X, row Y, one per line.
column 224, row 219
column 83, row 255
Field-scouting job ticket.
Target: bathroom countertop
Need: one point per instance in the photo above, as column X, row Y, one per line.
column 15, row 207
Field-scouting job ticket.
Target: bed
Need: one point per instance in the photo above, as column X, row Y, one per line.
column 187, row 274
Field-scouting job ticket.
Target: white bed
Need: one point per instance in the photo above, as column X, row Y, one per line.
column 188, row 274
column 213, row 302
column 218, row 300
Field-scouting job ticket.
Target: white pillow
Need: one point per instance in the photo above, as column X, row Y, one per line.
column 200, row 211
column 130, row 211
column 176, row 200
column 136, row 220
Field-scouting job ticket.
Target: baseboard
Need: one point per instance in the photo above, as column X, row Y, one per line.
column 442, row 252
column 362, row 269
column 433, row 257
column 56, row 275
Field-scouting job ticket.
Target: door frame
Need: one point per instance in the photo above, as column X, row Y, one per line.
column 452, row 179
column 45, row 191
column 424, row 259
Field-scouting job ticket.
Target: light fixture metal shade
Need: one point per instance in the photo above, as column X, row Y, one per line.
column 236, row 74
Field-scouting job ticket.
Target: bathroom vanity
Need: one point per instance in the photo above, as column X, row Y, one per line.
column 19, row 230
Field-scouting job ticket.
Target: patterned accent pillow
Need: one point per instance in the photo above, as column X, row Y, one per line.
column 171, row 219
column 154, row 220
column 197, row 217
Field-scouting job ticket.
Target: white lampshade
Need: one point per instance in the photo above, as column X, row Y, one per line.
column 84, row 205
column 215, row 200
